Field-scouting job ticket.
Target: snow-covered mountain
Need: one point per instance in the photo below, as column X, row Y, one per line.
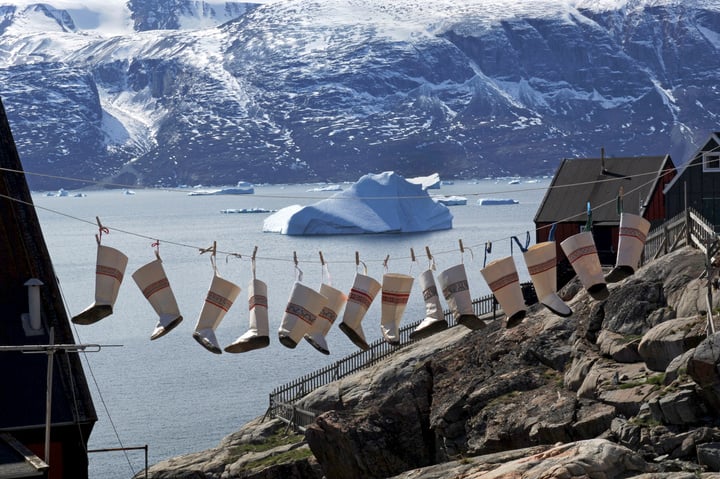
column 183, row 92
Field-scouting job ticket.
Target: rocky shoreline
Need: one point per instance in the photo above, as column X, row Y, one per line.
column 625, row 387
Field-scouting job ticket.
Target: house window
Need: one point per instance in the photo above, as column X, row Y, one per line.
column 711, row 161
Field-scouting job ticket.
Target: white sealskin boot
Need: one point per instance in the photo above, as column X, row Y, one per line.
column 454, row 284
column 154, row 284
column 631, row 242
column 502, row 278
column 359, row 300
column 258, row 334
column 219, row 300
column 300, row 314
column 326, row 318
column 582, row 254
column 541, row 261
column 109, row 272
column 434, row 321
column 395, row 294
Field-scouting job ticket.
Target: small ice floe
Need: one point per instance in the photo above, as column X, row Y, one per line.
column 326, row 188
column 496, row 201
column 246, row 210
column 450, row 200
column 242, row 188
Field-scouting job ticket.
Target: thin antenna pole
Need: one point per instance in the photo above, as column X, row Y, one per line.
column 48, row 395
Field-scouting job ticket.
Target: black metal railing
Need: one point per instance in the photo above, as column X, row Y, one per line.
column 289, row 393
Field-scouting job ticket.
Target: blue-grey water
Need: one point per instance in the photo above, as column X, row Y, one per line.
column 172, row 394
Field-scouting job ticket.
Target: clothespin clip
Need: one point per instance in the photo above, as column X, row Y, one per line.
column 297, row 267
column 252, row 261
column 462, row 251
column 101, row 229
column 619, row 204
column 213, row 252
column 551, row 234
column 413, row 260
column 488, row 250
column 517, row 241
column 210, row 249
column 385, row 263
column 235, row 255
column 156, row 245
column 431, row 260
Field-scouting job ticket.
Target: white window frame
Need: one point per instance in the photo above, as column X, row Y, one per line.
column 711, row 156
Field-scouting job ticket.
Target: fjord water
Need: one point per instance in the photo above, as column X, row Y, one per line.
column 171, row 393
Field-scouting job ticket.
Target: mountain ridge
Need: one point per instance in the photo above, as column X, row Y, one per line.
column 305, row 91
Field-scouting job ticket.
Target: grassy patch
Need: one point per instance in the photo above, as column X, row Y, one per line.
column 647, row 421
column 504, row 399
column 276, row 440
column 287, row 457
column 656, row 379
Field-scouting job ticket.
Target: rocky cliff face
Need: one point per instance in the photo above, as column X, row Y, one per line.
column 626, row 387
column 300, row 90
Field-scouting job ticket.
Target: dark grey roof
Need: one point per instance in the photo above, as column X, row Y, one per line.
column 582, row 180
column 25, row 255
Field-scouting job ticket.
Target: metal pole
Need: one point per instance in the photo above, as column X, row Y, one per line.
column 48, row 397
column 688, row 232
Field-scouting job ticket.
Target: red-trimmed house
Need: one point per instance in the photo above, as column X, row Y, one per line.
column 639, row 181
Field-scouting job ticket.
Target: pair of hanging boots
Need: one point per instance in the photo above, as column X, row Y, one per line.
column 219, row 299
column 581, row 252
column 151, row 279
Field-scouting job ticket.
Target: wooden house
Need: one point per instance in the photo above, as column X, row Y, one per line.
column 699, row 179
column 23, row 377
column 599, row 182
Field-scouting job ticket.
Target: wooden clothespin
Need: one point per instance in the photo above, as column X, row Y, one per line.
column 358, row 262
column 463, row 248
column 385, row 263
column 156, row 245
column 210, row 249
column 252, row 262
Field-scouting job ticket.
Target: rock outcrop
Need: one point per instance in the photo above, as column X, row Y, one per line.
column 626, row 387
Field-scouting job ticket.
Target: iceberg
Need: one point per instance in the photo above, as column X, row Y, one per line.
column 242, row 188
column 376, row 203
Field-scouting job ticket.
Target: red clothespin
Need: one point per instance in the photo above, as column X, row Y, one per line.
column 101, row 229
